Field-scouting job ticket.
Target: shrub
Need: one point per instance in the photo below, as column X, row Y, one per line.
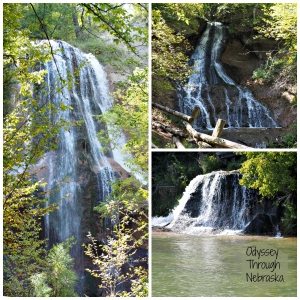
column 290, row 219
column 210, row 164
column 58, row 280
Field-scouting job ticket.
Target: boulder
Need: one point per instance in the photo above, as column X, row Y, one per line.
column 260, row 225
column 237, row 55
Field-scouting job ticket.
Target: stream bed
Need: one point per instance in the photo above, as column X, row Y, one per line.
column 207, row 266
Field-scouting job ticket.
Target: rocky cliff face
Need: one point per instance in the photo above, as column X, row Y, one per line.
column 213, row 89
column 216, row 202
column 79, row 172
column 240, row 62
column 241, row 56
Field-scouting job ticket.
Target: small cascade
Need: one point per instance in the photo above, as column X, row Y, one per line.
column 215, row 203
column 217, row 95
column 278, row 233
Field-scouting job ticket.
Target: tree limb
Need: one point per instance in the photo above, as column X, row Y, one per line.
column 101, row 18
column 45, row 31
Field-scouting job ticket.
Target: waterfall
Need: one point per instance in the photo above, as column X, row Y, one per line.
column 217, row 95
column 215, row 203
column 105, row 105
column 78, row 167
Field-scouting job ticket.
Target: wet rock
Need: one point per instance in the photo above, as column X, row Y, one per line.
column 160, row 228
column 261, row 225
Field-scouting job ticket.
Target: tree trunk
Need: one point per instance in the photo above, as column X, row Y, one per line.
column 76, row 23
column 169, row 129
column 173, row 112
column 177, row 143
column 215, row 141
column 195, row 113
column 202, row 144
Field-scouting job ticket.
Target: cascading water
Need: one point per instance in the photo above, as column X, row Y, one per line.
column 216, row 203
column 78, row 146
column 106, row 104
column 217, row 95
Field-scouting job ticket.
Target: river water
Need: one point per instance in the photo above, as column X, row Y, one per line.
column 194, row 266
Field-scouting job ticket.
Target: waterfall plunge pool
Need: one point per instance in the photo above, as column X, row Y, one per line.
column 207, row 266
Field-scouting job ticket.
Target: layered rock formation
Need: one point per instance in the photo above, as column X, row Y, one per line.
column 216, row 203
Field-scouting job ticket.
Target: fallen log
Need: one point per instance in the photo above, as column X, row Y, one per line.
column 194, row 116
column 215, row 141
column 177, row 143
column 202, row 144
column 169, row 129
column 154, row 146
column 173, row 112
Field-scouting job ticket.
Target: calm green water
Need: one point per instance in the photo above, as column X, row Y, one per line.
column 190, row 266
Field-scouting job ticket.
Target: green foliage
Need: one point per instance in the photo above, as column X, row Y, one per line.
column 27, row 134
column 270, row 172
column 181, row 17
column 130, row 115
column 169, row 63
column 139, row 283
column 211, row 163
column 261, row 73
column 287, row 141
column 54, row 18
column 58, row 278
column 127, row 194
column 277, row 69
column 112, row 32
column 39, row 283
column 236, row 163
column 171, row 173
column 290, row 140
column 156, row 141
column 127, row 203
column 290, row 219
column 22, row 248
column 238, row 16
column 130, row 232
column 20, row 55
column 280, row 23
column 117, row 21
column 274, row 175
